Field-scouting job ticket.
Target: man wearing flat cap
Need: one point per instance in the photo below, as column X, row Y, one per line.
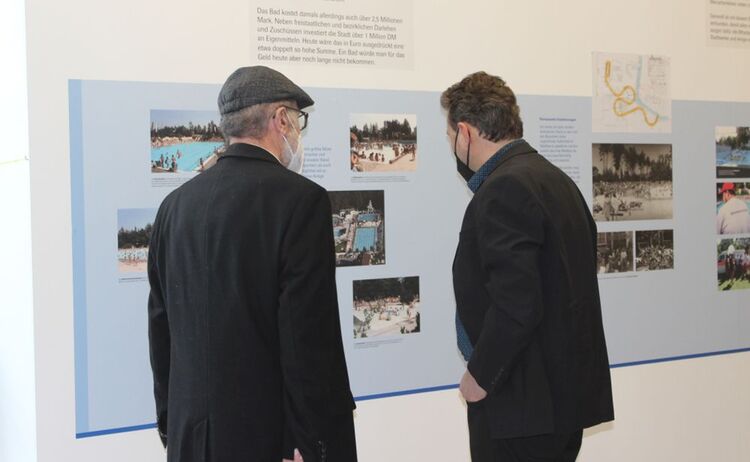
column 244, row 330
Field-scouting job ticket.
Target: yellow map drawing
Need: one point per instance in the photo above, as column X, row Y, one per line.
column 625, row 100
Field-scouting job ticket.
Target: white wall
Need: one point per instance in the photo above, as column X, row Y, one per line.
column 690, row 410
column 17, row 410
column 687, row 411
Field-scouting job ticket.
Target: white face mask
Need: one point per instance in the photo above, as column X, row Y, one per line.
column 293, row 158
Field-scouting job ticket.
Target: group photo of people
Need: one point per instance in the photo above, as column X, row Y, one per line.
column 654, row 250
column 383, row 142
column 733, row 263
column 614, row 252
column 184, row 141
column 632, row 182
column 385, row 307
column 133, row 234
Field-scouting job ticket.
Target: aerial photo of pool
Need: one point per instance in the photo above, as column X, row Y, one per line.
column 365, row 239
column 190, row 153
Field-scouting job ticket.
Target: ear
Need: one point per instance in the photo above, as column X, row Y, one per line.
column 279, row 120
column 467, row 131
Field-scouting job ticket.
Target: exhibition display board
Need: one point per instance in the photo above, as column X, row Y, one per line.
column 396, row 204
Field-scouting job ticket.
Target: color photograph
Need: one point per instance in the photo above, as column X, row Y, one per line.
column 732, row 208
column 632, row 182
column 654, row 250
column 733, row 262
column 386, row 307
column 133, row 235
column 184, row 141
column 383, row 143
column 732, row 152
column 614, row 252
column 358, row 227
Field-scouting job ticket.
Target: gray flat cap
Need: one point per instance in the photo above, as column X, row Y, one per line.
column 248, row 86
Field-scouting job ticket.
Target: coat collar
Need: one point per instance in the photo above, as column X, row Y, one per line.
column 249, row 151
column 521, row 148
column 502, row 156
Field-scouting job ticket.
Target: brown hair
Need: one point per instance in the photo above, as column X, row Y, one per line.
column 487, row 103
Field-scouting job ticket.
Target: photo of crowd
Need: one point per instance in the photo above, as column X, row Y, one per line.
column 358, row 227
column 614, row 252
column 383, row 142
column 654, row 250
column 732, row 208
column 733, row 263
column 732, row 152
column 632, row 181
column 386, row 307
column 133, row 235
column 184, row 141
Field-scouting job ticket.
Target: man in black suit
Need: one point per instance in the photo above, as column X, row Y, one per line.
column 244, row 331
column 529, row 320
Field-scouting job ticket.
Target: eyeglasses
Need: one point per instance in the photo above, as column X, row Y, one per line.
column 302, row 117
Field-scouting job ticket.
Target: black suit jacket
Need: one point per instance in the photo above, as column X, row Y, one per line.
column 527, row 292
column 244, row 330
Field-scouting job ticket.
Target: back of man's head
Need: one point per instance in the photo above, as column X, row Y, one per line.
column 485, row 102
column 250, row 95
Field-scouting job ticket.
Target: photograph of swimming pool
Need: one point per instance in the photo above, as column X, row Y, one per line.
column 358, row 227
column 383, row 142
column 184, row 141
column 732, row 152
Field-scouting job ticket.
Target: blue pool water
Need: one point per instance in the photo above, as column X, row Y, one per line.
column 363, row 217
column 191, row 153
column 741, row 158
column 365, row 239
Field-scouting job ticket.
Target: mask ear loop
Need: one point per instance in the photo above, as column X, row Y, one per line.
column 291, row 123
column 468, row 147
column 455, row 143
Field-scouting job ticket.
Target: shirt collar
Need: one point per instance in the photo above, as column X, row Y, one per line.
column 484, row 171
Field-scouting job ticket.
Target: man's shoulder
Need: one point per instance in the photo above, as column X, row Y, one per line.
column 520, row 171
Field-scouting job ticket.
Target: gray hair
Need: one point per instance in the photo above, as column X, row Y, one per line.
column 249, row 122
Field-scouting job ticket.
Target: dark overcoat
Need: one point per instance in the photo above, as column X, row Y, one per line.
column 527, row 293
column 244, row 330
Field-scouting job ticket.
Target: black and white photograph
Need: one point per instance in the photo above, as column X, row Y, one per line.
column 733, row 263
column 386, row 307
column 358, row 227
column 614, row 252
column 383, row 143
column 632, row 182
column 654, row 250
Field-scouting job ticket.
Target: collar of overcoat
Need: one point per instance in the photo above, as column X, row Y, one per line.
column 249, row 151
